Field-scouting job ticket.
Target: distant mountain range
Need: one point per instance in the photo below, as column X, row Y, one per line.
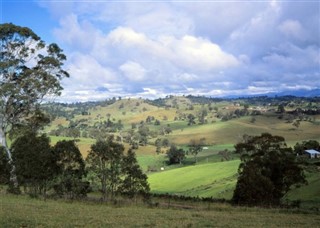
column 296, row 93
column 301, row 93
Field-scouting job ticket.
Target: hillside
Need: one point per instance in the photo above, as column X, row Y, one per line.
column 151, row 126
column 215, row 180
column 180, row 119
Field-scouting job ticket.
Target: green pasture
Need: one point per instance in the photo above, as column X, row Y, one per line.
column 232, row 131
column 209, row 177
column 309, row 194
column 204, row 180
column 147, row 157
column 152, row 161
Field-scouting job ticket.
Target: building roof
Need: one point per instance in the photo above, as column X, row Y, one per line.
column 312, row 152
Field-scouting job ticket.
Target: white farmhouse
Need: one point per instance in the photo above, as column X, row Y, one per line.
column 313, row 153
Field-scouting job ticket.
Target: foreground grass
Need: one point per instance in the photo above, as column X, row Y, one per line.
column 22, row 211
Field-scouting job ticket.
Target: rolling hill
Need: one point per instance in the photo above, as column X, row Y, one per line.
column 221, row 123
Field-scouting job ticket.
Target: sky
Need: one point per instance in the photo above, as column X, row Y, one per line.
column 151, row 49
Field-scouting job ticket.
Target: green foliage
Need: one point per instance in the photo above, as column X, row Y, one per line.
column 175, row 155
column 4, row 167
column 35, row 162
column 33, row 123
column 299, row 148
column 29, row 70
column 104, row 159
column 71, row 170
column 134, row 180
column 267, row 171
column 191, row 119
column 202, row 115
column 196, row 146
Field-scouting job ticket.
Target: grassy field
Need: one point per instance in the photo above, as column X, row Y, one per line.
column 232, row 131
column 308, row 194
column 22, row 211
column 218, row 180
column 204, row 180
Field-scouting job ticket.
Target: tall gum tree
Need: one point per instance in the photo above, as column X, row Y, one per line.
column 30, row 70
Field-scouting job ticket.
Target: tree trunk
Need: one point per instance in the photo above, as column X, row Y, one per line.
column 13, row 175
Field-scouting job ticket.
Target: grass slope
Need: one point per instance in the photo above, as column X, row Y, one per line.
column 206, row 180
column 309, row 194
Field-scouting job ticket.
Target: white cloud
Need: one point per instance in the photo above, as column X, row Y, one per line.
column 293, row 58
column 159, row 48
column 186, row 77
column 87, row 70
column 188, row 52
column 292, row 28
column 158, row 19
column 133, row 71
column 77, row 35
column 201, row 54
column 258, row 34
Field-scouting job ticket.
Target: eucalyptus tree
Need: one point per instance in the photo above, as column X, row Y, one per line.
column 196, row 146
column 104, row 159
column 36, row 164
column 268, row 170
column 71, row 170
column 30, row 70
column 135, row 182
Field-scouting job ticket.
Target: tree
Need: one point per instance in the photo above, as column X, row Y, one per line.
column 165, row 142
column 35, row 162
column 71, row 170
column 281, row 109
column 104, row 160
column 175, row 155
column 299, row 148
column 191, row 119
column 202, row 115
column 4, row 167
column 195, row 147
column 268, row 170
column 32, row 123
column 158, row 145
column 29, row 70
column 135, row 181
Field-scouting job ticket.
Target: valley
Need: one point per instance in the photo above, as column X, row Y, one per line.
column 152, row 126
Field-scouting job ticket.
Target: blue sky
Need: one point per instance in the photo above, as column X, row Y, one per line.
column 156, row 48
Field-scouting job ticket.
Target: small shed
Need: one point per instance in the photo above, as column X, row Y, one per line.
column 313, row 153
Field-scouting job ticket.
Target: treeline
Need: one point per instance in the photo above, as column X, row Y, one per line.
column 61, row 171
column 70, row 110
column 252, row 100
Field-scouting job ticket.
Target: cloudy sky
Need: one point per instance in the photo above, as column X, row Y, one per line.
column 156, row 48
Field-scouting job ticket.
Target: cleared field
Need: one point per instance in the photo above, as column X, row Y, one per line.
column 232, row 131
column 210, row 177
column 206, row 180
column 21, row 211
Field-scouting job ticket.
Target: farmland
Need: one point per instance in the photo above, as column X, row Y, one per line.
column 211, row 174
column 224, row 124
